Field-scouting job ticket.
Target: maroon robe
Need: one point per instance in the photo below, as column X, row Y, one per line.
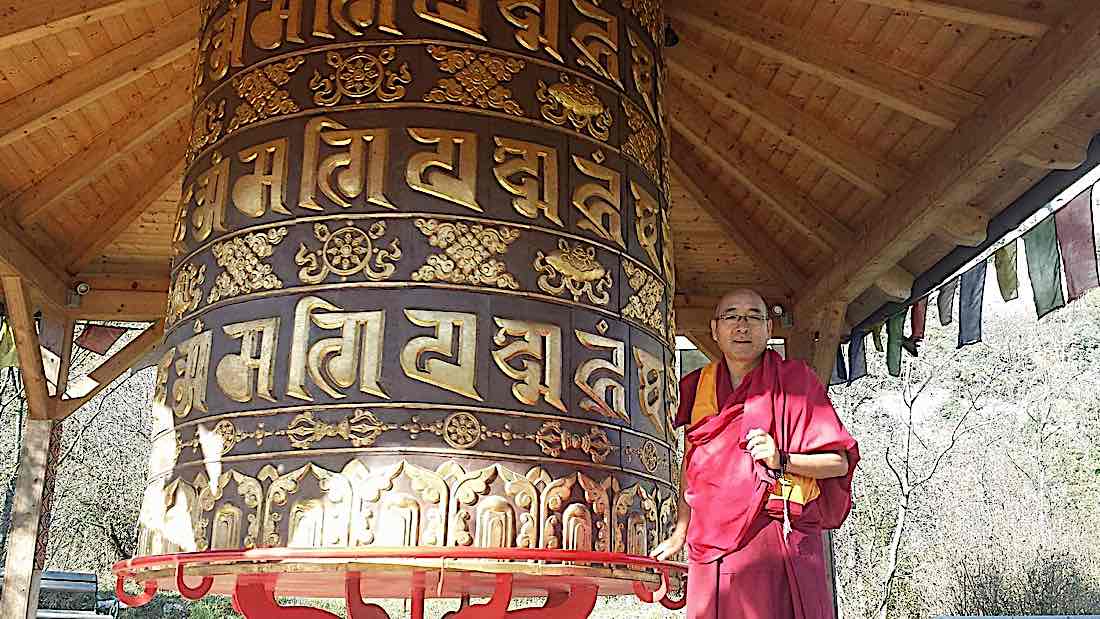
column 741, row 564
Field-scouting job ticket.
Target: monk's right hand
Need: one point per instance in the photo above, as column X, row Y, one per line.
column 669, row 548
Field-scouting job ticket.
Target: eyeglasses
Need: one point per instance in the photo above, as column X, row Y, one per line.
column 751, row 320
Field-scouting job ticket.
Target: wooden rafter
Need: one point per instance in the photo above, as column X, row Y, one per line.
column 692, row 124
column 28, row 21
column 17, row 259
column 896, row 283
column 931, row 102
column 114, row 367
column 157, row 116
column 714, row 76
column 17, row 299
column 763, row 251
column 146, row 192
column 704, row 343
column 1032, row 19
column 129, row 305
column 964, row 225
column 1061, row 75
column 32, row 110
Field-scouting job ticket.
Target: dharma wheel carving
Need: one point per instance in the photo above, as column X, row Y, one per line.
column 422, row 281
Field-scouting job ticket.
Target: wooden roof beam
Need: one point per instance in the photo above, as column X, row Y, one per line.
column 142, row 126
column 758, row 176
column 34, row 109
column 24, row 22
column 964, row 225
column 19, row 260
column 896, row 283
column 1032, row 19
column 1060, row 75
column 936, row 104
column 17, row 299
column 1063, row 147
column 111, row 369
column 704, row 342
column 776, row 114
column 763, row 251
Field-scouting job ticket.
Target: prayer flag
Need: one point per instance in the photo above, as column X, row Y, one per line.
column 1077, row 243
column 895, row 328
column 857, row 356
column 1044, row 267
column 918, row 319
column 876, row 335
column 98, row 338
column 840, row 373
column 8, row 356
column 945, row 302
column 970, row 304
column 1005, row 261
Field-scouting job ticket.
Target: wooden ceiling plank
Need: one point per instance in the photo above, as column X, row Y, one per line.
column 759, row 177
column 123, row 65
column 159, row 181
column 813, row 137
column 936, row 104
column 142, row 126
column 1059, row 78
column 28, row 21
column 759, row 247
column 17, row 299
column 1029, row 20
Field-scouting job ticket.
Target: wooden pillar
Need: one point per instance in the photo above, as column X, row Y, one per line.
column 20, row 597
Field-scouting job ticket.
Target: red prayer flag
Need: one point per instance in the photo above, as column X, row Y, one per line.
column 98, row 338
column 917, row 319
column 1077, row 242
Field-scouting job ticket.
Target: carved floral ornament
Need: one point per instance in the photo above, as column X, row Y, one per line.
column 402, row 504
column 478, row 80
column 469, row 251
column 575, row 102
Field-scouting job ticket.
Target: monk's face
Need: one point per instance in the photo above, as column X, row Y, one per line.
column 741, row 326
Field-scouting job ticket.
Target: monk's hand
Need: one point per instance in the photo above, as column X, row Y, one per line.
column 762, row 447
column 669, row 548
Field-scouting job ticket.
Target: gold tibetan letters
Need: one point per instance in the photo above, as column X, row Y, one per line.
column 597, row 391
column 338, row 361
column 645, row 221
column 189, row 388
column 461, row 15
column 537, row 165
column 210, row 192
column 539, row 354
column 599, row 203
column 420, row 357
column 651, row 386
column 597, row 40
column 251, row 372
column 262, row 191
column 423, row 173
column 359, row 169
column 225, row 41
column 283, row 21
column 268, row 26
column 642, row 69
column 537, row 21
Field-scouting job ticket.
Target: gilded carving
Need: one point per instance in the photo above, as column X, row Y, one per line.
column 632, row 536
column 648, row 13
column 450, row 171
column 242, row 258
column 361, row 429
column 191, row 369
column 597, row 40
column 553, row 441
column 647, row 455
column 646, row 215
column 206, row 128
column 335, row 363
column 641, row 144
column 537, row 166
column 261, row 95
column 651, row 387
column 600, row 380
column 251, row 372
column 538, row 352
column 360, row 75
column 599, row 202
column 575, row 102
column 536, row 22
column 210, row 192
column 222, row 45
column 478, row 80
column 461, row 15
column 598, row 496
column 283, row 21
column 264, row 190
column 468, row 254
column 347, row 252
column 644, row 306
column 359, row 169
column 641, row 69
column 573, row 267
column 185, row 294
column 427, row 358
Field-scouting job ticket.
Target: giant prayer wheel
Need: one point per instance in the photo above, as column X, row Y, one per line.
column 422, row 283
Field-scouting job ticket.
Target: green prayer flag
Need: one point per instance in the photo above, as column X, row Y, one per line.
column 876, row 335
column 895, row 332
column 8, row 356
column 1005, row 261
column 1044, row 267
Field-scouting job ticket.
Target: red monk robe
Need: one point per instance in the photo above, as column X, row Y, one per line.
column 741, row 563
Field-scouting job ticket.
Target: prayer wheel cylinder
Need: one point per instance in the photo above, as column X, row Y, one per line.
column 422, row 281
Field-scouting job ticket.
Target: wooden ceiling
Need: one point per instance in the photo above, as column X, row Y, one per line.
column 823, row 150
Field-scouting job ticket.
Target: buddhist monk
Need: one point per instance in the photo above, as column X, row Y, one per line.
column 767, row 466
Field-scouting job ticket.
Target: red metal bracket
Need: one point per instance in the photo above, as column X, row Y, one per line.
column 660, row 594
column 192, row 593
column 353, row 595
column 576, row 604
column 140, row 599
column 254, row 597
